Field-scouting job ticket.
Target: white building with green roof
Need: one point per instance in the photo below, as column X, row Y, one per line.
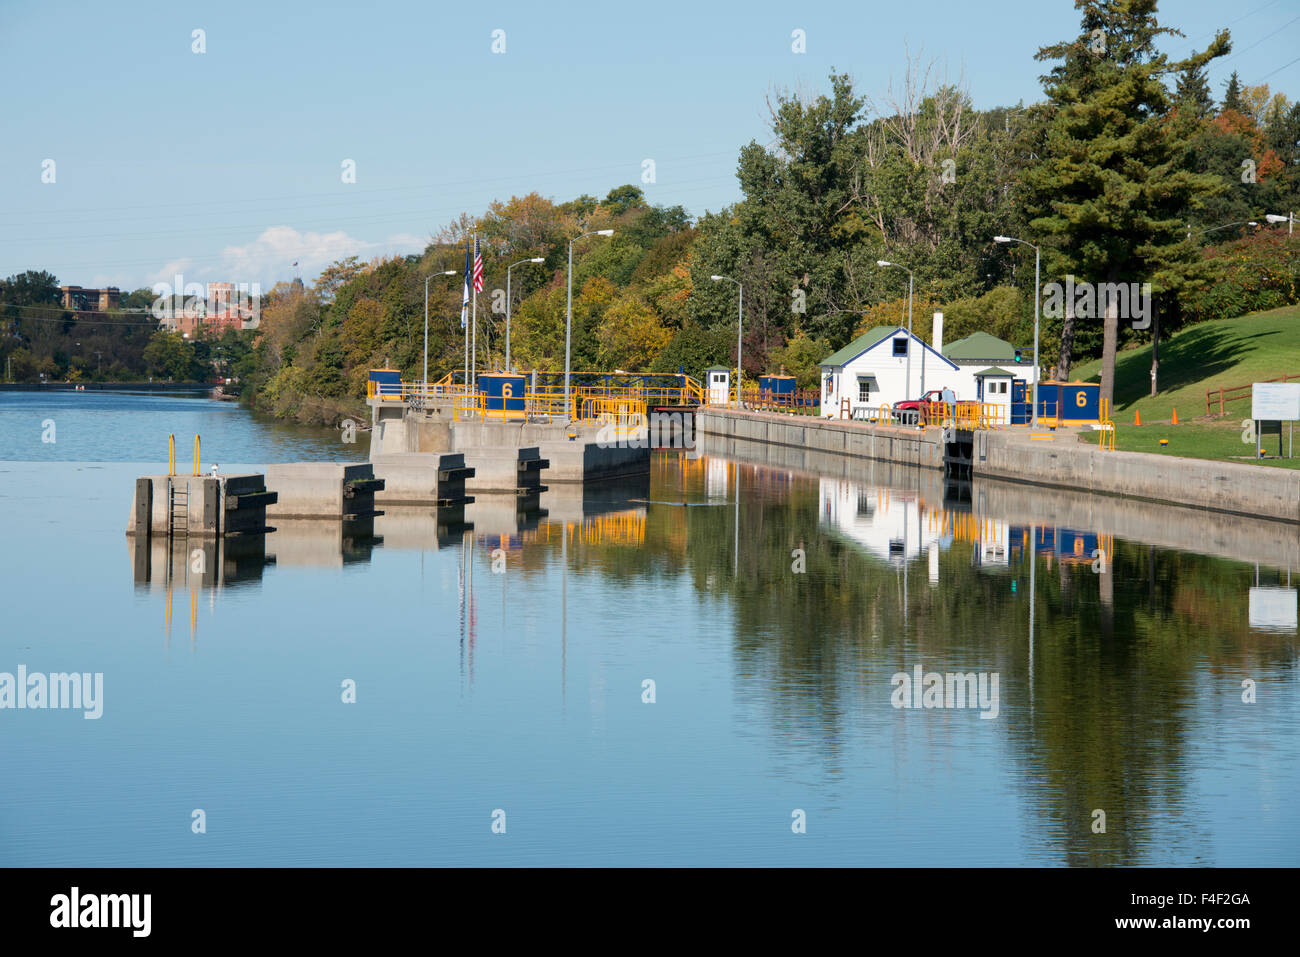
column 872, row 371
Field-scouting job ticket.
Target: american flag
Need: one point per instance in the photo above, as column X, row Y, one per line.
column 478, row 267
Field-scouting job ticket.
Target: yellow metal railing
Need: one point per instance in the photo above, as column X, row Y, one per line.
column 1106, row 441
column 624, row 416
column 965, row 415
column 171, row 454
column 544, row 400
column 406, row 390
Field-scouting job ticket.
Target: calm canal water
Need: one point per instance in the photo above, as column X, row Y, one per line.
column 773, row 624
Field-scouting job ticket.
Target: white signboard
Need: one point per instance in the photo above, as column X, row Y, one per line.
column 1275, row 401
column 1273, row 609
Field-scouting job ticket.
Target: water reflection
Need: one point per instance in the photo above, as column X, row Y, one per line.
column 1121, row 634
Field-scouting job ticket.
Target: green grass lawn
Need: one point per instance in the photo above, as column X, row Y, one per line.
column 1227, row 352
column 1200, row 441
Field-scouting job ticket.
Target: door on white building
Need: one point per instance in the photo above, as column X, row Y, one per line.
column 719, row 386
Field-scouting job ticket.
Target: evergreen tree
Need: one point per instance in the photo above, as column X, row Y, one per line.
column 1194, row 92
column 1111, row 192
column 1232, row 94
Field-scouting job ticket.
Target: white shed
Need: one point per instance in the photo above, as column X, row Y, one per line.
column 993, row 386
column 872, row 370
column 717, row 382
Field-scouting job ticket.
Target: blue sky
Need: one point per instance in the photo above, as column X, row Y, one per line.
column 227, row 165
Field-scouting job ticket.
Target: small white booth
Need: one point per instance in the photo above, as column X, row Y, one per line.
column 993, row 387
column 718, row 385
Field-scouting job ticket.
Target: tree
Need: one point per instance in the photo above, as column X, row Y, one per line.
column 171, row 356
column 1232, row 94
column 337, row 275
column 1111, row 191
column 30, row 288
column 1194, row 92
column 623, row 199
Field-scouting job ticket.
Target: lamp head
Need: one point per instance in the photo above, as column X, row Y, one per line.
column 604, row 232
column 1002, row 239
column 1273, row 218
column 539, row 259
column 715, row 278
column 881, row 262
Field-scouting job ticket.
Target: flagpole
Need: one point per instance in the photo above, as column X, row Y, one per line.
column 473, row 360
column 463, row 324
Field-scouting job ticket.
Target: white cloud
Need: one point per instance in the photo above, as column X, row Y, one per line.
column 271, row 256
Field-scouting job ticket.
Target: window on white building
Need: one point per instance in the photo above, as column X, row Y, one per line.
column 900, row 347
column 864, row 390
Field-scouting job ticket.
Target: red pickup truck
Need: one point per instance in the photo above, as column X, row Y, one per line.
column 934, row 395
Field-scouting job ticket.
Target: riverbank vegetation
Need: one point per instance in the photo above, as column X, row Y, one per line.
column 40, row 340
column 921, row 177
column 1128, row 170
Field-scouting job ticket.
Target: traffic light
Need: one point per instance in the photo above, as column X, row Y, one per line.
column 1017, row 355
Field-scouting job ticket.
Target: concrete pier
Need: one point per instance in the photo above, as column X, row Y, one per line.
column 200, row 506
column 422, row 478
column 576, row 453
column 324, row 490
column 505, row 471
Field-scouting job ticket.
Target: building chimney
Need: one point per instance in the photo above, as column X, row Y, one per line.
column 938, row 333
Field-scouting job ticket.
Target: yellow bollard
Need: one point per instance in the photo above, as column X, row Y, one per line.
column 196, row 455
column 171, row 454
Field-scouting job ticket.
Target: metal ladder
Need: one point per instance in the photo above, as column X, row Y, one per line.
column 178, row 507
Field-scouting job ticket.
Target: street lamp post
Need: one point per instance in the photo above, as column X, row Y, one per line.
column 1289, row 219
column 1037, row 260
column 740, row 321
column 539, row 259
column 1202, row 232
column 908, row 388
column 449, row 272
column 568, row 311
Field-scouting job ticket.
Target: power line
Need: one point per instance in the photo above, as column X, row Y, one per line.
column 71, row 316
column 1232, row 56
column 1281, row 68
column 1232, row 23
column 523, row 175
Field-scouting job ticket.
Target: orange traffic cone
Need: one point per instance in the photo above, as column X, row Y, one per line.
column 1137, row 418
column 1175, row 421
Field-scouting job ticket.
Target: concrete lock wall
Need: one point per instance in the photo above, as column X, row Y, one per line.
column 907, row 446
column 1233, row 487
column 412, row 478
column 316, row 489
column 1061, row 461
column 506, row 470
column 1257, row 540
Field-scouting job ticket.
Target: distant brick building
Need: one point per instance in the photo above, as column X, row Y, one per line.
column 223, row 309
column 90, row 300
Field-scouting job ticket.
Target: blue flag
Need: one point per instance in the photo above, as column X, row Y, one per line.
column 464, row 302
